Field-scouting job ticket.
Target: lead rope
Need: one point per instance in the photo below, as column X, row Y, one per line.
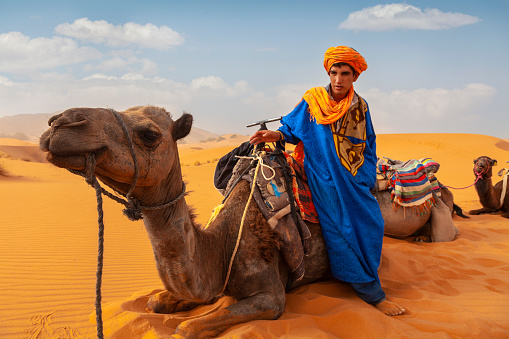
column 239, row 236
column 479, row 176
column 92, row 180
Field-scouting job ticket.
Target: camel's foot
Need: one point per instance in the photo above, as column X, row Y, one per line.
column 423, row 238
column 258, row 307
column 165, row 303
column 389, row 308
column 505, row 215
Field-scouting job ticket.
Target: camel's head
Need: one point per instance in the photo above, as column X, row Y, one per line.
column 483, row 166
column 80, row 131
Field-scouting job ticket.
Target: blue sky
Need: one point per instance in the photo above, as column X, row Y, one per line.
column 433, row 66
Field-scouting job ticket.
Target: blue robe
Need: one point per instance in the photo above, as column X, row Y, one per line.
column 350, row 217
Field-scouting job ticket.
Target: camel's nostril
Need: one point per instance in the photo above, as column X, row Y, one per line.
column 74, row 124
column 68, row 119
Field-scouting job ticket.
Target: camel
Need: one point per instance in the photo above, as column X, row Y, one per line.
column 490, row 195
column 136, row 154
column 435, row 226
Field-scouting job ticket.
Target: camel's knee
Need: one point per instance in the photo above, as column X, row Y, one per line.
column 275, row 304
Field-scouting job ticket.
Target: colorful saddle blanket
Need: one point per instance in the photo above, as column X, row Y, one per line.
column 412, row 183
column 301, row 190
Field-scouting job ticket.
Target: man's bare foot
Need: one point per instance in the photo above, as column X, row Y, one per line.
column 389, row 308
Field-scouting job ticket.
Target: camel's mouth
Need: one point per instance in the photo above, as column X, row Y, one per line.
column 72, row 161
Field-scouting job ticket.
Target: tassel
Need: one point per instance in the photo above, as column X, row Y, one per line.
column 215, row 212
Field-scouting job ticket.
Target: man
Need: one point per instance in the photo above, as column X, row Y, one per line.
column 335, row 138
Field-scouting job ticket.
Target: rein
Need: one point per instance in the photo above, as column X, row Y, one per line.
column 133, row 210
column 479, row 176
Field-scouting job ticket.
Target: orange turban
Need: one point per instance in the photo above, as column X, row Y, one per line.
column 344, row 54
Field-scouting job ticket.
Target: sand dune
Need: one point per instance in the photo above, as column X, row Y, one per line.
column 48, row 254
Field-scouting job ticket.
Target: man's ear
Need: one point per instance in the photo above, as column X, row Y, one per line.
column 355, row 76
column 182, row 126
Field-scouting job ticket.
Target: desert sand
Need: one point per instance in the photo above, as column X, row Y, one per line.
column 48, row 252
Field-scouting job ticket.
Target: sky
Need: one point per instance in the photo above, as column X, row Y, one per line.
column 433, row 66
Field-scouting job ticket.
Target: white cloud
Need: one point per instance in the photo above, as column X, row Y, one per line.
column 211, row 82
column 428, row 110
column 4, row 81
column 219, row 85
column 21, row 54
column 102, row 32
column 130, row 63
column 403, row 16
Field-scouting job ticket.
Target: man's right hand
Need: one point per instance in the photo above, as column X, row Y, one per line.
column 264, row 136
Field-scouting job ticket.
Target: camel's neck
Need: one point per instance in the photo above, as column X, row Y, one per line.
column 190, row 261
column 487, row 194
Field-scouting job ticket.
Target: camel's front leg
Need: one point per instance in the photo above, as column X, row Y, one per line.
column 165, row 302
column 483, row 210
column 261, row 306
column 442, row 226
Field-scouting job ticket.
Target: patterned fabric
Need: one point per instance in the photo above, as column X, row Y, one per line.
column 344, row 54
column 410, row 183
column 350, row 136
column 301, row 190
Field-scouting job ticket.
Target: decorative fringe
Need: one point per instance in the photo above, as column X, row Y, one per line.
column 216, row 211
column 421, row 209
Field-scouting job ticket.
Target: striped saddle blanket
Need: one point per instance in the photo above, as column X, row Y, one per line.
column 412, row 183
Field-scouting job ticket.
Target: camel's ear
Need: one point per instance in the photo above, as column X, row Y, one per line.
column 493, row 162
column 182, row 126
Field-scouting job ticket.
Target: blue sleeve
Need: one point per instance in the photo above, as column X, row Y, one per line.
column 293, row 123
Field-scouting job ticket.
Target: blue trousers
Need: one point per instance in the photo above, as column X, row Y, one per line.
column 370, row 292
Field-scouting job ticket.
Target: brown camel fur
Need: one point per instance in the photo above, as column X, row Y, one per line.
column 192, row 262
column 489, row 194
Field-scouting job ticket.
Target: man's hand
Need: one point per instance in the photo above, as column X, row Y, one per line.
column 264, row 136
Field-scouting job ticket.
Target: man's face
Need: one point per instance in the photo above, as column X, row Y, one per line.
column 341, row 79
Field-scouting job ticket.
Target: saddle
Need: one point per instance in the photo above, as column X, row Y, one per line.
column 412, row 183
column 274, row 196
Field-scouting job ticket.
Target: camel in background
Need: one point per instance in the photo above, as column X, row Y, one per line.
column 493, row 198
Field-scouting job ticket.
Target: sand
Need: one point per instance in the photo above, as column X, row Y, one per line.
column 48, row 222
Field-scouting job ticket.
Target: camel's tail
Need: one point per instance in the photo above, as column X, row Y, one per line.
column 459, row 211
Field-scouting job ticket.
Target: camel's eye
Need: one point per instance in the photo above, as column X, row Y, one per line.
column 150, row 138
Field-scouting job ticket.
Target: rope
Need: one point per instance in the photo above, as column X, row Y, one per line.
column 479, row 176
column 92, row 180
column 239, row 236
